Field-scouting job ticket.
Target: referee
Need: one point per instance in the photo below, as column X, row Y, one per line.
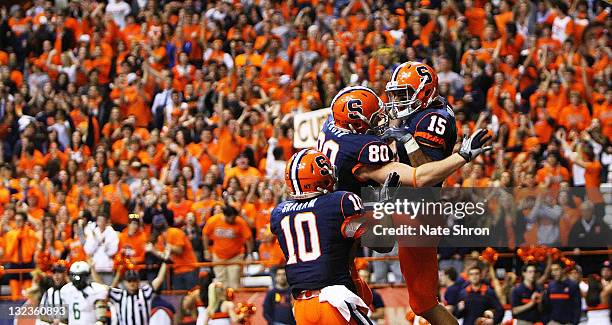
column 133, row 304
column 51, row 297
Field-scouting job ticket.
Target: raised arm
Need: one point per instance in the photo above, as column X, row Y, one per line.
column 161, row 275
column 430, row 173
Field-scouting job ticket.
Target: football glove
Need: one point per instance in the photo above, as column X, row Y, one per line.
column 474, row 145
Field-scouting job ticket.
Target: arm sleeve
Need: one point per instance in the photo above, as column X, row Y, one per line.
column 451, row 297
column 43, row 299
column 90, row 245
column 460, row 297
column 246, row 231
column 351, row 205
column 268, row 306
column 431, row 132
column 147, row 291
column 229, row 62
column 197, row 172
column 351, row 209
column 272, row 142
column 111, row 244
column 576, row 303
column 115, row 294
column 515, row 299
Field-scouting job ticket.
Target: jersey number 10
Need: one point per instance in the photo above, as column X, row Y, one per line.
column 300, row 220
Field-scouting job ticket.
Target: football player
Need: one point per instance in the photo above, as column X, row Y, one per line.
column 316, row 232
column 414, row 102
column 86, row 300
column 427, row 132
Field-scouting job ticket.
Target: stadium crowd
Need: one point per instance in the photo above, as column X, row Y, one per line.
column 132, row 128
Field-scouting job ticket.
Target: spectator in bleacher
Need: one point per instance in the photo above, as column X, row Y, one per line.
column 575, row 274
column 101, row 243
column 231, row 242
column 545, row 216
column 589, row 232
column 452, row 284
column 132, row 240
column 118, row 194
column 181, row 252
column 527, row 298
column 20, row 246
column 478, row 302
column 561, row 300
column 277, row 302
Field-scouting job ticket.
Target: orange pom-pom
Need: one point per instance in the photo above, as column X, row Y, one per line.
column 554, row 253
column 540, row 253
column 44, row 261
column 569, row 263
column 489, row 255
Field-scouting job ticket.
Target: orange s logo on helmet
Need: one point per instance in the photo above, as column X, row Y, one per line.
column 413, row 86
column 359, row 110
column 309, row 173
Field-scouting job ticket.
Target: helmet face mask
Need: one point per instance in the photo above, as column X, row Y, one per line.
column 79, row 274
column 412, row 87
column 379, row 122
column 79, row 280
column 402, row 101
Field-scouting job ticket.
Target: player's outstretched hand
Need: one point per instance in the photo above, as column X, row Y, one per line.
column 389, row 188
column 475, row 145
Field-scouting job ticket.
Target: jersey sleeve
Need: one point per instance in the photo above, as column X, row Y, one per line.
column 351, row 208
column 351, row 205
column 100, row 292
column 431, row 130
column 436, row 134
column 147, row 291
column 515, row 299
column 115, row 295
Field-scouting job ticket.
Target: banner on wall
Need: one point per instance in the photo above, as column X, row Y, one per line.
column 306, row 127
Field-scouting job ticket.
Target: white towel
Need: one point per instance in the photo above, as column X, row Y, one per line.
column 338, row 296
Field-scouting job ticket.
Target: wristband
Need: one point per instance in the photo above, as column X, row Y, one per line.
column 411, row 145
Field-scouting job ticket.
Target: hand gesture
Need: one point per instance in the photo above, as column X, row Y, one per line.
column 475, row 145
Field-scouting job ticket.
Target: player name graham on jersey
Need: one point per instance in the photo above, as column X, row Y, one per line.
column 295, row 206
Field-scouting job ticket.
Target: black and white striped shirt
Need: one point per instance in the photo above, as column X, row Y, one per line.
column 132, row 309
column 51, row 298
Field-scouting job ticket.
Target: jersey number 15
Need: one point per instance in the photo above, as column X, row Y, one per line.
column 297, row 224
